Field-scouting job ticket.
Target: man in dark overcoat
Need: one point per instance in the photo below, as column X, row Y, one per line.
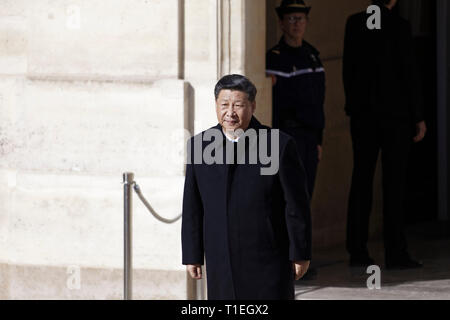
column 385, row 116
column 252, row 226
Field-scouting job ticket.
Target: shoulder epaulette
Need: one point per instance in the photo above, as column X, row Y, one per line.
column 275, row 49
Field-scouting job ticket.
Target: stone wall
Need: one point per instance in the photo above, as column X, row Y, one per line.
column 89, row 90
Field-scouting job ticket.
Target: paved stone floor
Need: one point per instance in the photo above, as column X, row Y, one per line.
column 428, row 243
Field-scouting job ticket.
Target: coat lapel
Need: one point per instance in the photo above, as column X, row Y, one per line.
column 224, row 170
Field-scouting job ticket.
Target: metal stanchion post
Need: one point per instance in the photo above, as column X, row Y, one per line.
column 128, row 185
column 128, row 181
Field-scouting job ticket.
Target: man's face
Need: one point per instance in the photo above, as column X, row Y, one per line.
column 234, row 110
column 294, row 24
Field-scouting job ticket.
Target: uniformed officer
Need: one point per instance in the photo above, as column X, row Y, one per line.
column 298, row 79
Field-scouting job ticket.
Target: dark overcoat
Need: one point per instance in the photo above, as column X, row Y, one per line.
column 248, row 226
column 379, row 69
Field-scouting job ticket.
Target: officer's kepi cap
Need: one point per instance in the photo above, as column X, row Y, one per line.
column 290, row 6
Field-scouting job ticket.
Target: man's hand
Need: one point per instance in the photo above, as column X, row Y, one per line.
column 300, row 268
column 195, row 271
column 421, row 129
column 319, row 152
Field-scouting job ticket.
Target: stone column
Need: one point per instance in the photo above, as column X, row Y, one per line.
column 234, row 42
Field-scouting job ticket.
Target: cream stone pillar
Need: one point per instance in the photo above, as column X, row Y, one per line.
column 255, row 57
column 233, row 42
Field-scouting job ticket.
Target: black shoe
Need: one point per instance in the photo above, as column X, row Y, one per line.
column 361, row 261
column 402, row 264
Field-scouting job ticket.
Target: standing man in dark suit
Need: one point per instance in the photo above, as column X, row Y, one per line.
column 384, row 116
column 298, row 79
column 254, row 229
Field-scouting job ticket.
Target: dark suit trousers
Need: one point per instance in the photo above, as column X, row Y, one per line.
column 393, row 137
